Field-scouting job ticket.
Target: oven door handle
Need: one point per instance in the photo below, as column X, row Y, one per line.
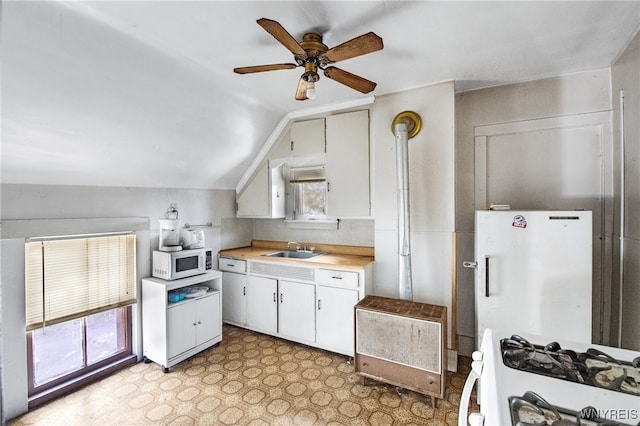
column 475, row 419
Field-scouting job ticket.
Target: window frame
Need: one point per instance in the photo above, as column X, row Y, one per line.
column 299, row 180
column 299, row 196
column 41, row 394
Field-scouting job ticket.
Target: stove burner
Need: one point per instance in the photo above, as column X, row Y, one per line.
column 593, row 367
column 532, row 410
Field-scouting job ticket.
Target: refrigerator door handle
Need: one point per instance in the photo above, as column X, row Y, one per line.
column 486, row 276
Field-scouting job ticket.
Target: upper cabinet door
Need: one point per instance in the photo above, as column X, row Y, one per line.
column 348, row 164
column 263, row 197
column 254, row 201
column 307, row 137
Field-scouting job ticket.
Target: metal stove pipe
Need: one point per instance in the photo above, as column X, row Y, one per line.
column 404, row 237
column 405, row 125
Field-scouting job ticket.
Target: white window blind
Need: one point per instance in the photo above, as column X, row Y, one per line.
column 71, row 278
column 307, row 174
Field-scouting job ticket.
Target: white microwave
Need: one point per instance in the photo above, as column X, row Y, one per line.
column 173, row 265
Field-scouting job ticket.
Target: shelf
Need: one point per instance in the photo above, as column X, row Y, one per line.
column 192, row 299
column 183, row 282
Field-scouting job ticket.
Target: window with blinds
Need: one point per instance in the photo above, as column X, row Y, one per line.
column 72, row 278
column 309, row 189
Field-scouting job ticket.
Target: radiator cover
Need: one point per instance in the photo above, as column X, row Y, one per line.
column 402, row 343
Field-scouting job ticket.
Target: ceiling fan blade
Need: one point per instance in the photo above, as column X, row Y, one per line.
column 280, row 34
column 361, row 45
column 262, row 68
column 301, row 90
column 355, row 82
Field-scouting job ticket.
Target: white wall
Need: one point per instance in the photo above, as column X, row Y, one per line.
column 625, row 75
column 552, row 97
column 33, row 202
column 431, row 194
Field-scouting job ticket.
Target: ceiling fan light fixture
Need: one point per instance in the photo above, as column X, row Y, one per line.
column 311, row 77
column 311, row 90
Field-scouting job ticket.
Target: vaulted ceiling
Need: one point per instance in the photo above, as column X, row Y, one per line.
column 143, row 93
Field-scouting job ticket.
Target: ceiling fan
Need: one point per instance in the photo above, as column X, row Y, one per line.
column 312, row 54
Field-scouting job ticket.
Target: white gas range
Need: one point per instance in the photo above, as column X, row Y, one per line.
column 533, row 380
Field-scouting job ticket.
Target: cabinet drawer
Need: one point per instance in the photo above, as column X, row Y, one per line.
column 337, row 278
column 232, row 265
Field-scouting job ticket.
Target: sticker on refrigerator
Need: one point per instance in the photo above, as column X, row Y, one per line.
column 519, row 221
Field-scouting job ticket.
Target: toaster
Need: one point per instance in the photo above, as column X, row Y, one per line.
column 192, row 238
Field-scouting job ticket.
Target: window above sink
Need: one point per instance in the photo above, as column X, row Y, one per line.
column 308, row 192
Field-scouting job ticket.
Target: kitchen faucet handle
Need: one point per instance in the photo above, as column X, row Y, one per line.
column 293, row 242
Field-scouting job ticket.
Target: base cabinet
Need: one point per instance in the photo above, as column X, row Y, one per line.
column 296, row 311
column 193, row 324
column 173, row 332
column 262, row 307
column 247, row 300
column 234, row 298
column 309, row 305
column 334, row 319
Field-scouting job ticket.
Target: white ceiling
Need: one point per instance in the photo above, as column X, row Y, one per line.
column 121, row 93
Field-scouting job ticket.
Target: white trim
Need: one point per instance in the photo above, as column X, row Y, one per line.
column 29, row 228
column 579, row 120
column 481, row 172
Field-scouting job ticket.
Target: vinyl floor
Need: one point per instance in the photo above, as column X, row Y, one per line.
column 250, row 379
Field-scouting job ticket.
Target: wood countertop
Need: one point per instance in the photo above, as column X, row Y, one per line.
column 344, row 257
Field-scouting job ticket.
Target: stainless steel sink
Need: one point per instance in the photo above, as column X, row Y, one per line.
column 297, row 254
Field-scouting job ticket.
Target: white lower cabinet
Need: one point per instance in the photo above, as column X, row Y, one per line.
column 250, row 301
column 234, row 298
column 262, row 306
column 173, row 332
column 334, row 319
column 296, row 312
column 313, row 306
column 193, row 323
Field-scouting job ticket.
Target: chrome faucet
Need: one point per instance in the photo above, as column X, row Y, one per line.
column 298, row 245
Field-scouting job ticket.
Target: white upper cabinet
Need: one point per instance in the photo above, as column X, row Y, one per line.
column 348, row 164
column 305, row 138
column 264, row 195
column 344, row 151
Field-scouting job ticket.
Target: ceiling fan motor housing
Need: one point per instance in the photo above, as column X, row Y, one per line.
column 312, row 44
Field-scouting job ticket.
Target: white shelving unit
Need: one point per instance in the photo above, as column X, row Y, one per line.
column 173, row 332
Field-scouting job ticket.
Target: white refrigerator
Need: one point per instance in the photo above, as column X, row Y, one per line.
column 534, row 273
